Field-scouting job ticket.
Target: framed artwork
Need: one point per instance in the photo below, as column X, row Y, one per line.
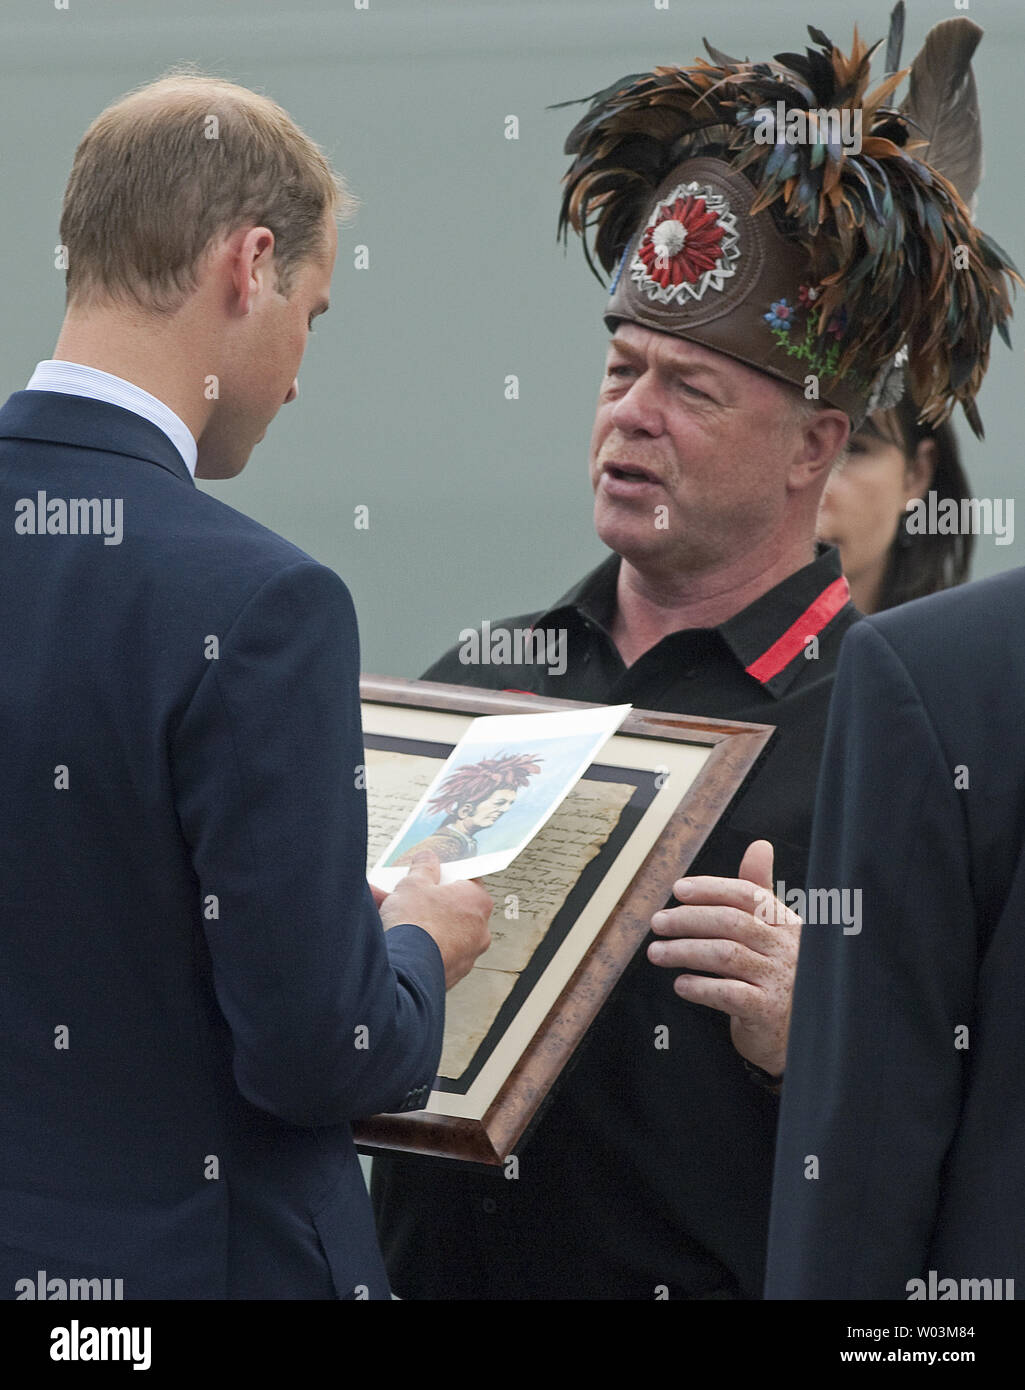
column 571, row 909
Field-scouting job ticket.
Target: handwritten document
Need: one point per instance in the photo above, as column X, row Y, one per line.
column 527, row 895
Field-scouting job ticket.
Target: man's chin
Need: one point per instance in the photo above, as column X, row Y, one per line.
column 628, row 534
column 222, row 466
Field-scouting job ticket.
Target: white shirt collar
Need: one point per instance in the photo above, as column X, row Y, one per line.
column 73, row 379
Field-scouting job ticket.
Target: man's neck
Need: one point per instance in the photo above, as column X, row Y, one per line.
column 652, row 603
column 128, row 347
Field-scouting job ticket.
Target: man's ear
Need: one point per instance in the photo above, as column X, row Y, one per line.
column 252, row 266
column 824, row 436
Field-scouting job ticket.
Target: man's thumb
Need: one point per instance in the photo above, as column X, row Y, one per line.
column 426, row 865
column 756, row 865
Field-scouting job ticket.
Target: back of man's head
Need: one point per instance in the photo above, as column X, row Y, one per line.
column 173, row 165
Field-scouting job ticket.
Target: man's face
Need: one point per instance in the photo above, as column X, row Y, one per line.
column 263, row 362
column 690, row 452
column 486, row 812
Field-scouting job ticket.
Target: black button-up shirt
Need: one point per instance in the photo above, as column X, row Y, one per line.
column 649, row 1173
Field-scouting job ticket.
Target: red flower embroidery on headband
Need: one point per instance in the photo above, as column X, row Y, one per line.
column 682, row 243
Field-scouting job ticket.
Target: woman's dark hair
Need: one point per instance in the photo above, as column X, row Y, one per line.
column 923, row 563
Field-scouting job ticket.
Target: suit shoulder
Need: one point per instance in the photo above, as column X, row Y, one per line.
column 211, row 555
column 213, row 519
column 965, row 625
column 959, row 653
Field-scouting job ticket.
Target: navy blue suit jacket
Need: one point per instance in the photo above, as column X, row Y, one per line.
column 902, row 1133
column 196, row 993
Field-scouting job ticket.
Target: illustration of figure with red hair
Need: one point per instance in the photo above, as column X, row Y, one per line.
column 474, row 797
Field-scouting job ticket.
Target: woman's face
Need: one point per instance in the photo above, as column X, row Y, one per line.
column 864, row 505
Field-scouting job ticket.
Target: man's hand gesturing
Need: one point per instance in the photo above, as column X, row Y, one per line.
column 736, row 929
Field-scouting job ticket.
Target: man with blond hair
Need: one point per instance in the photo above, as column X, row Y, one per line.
column 196, row 994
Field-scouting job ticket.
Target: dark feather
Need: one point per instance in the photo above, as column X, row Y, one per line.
column 960, row 370
column 995, row 255
column 597, row 97
column 797, row 62
column 719, row 58
column 942, row 100
column 973, row 417
column 820, row 38
column 777, row 159
column 815, row 72
column 895, row 39
column 893, row 129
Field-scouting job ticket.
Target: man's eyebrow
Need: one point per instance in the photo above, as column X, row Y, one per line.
column 686, row 367
column 624, row 347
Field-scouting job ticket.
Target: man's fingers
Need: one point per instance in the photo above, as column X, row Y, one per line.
column 726, row 958
column 478, row 897
column 425, row 868
column 762, row 935
column 733, row 997
column 707, row 891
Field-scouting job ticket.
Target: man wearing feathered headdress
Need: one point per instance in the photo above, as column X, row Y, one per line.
column 765, row 295
column 473, row 797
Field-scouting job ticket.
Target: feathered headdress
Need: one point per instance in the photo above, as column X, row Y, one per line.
column 799, row 222
column 475, row 782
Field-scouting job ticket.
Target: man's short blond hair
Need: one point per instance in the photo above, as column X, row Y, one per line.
column 176, row 164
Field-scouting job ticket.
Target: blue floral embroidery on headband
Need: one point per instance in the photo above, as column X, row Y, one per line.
column 779, row 316
column 822, row 357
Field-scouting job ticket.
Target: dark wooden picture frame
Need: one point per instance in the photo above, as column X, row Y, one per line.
column 731, row 750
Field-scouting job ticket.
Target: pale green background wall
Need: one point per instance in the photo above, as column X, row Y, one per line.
column 479, row 506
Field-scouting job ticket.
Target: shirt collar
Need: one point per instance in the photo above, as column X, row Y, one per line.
column 593, row 597
column 771, row 634
column 767, row 637
column 75, row 379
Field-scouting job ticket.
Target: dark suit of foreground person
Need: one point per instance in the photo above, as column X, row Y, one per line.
column 196, row 994
column 904, row 1066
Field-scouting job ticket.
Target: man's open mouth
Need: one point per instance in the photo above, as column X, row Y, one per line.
column 628, row 472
